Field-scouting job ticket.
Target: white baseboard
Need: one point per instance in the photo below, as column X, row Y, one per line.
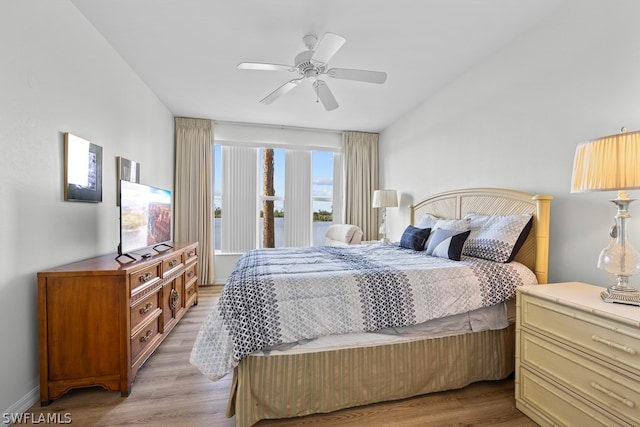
column 22, row 405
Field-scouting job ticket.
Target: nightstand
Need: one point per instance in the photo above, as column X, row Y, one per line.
column 577, row 357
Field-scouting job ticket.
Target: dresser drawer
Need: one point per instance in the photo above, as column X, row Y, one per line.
column 597, row 335
column 191, row 273
column 608, row 389
column 141, row 279
column 171, row 264
column 190, row 292
column 144, row 337
column 144, row 309
column 190, row 254
column 549, row 404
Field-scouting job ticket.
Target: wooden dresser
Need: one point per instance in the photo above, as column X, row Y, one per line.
column 577, row 357
column 99, row 320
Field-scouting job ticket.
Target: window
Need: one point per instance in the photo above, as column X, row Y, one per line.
column 322, row 194
column 217, row 195
column 256, row 186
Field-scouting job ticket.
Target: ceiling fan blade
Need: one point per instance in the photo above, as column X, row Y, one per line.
column 327, row 47
column 359, row 75
column 263, row 67
column 325, row 95
column 280, row 91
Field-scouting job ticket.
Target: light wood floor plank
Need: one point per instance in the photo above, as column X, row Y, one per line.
column 169, row 391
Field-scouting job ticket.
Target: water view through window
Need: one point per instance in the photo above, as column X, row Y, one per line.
column 321, row 196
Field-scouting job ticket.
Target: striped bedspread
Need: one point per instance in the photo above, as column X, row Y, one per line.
column 276, row 296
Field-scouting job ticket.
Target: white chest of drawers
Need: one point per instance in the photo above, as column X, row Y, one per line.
column 577, row 357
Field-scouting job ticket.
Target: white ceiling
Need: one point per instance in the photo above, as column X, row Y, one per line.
column 187, row 52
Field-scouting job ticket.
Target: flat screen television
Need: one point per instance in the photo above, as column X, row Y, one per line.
column 145, row 218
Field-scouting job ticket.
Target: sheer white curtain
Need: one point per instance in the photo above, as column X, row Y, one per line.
column 338, row 188
column 239, row 199
column 194, row 190
column 360, row 152
column 297, row 199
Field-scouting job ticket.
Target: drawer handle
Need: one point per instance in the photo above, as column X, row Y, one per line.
column 190, row 274
column 174, row 298
column 145, row 277
column 614, row 345
column 173, row 263
column 146, row 308
column 191, row 291
column 191, row 253
column 147, row 337
column 611, row 394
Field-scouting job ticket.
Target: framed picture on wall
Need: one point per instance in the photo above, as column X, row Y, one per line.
column 82, row 170
column 127, row 170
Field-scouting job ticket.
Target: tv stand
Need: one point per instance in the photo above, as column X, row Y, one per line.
column 168, row 246
column 100, row 320
column 124, row 255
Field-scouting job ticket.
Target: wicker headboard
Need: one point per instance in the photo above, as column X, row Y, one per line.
column 495, row 201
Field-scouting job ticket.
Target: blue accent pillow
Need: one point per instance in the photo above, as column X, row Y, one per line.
column 415, row 238
column 447, row 243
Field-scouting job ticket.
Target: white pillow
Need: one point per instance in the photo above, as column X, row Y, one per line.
column 433, row 222
column 447, row 243
column 344, row 233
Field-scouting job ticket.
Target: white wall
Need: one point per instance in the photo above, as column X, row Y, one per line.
column 514, row 121
column 59, row 75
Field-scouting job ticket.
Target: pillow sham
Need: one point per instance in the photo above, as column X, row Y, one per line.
column 447, row 243
column 414, row 238
column 496, row 237
column 433, row 222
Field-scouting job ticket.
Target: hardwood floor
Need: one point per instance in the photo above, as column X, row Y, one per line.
column 168, row 391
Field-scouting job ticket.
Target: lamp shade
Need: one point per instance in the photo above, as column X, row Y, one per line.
column 385, row 199
column 609, row 163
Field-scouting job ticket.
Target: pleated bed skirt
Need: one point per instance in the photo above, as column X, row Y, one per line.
column 291, row 385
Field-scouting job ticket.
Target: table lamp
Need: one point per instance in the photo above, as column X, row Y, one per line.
column 612, row 163
column 384, row 199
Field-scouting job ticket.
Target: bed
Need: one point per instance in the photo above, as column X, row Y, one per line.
column 374, row 357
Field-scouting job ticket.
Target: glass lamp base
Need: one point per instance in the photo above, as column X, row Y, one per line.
column 621, row 295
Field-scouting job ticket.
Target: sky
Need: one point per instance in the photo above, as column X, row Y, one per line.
column 322, row 176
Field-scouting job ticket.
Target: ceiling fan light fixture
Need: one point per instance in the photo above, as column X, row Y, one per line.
column 311, row 72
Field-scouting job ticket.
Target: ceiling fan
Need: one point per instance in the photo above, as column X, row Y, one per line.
column 312, row 64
